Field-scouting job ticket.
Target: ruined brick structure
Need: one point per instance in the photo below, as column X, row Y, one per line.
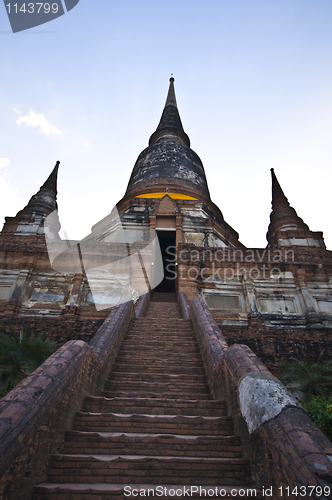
column 156, row 380
column 277, row 300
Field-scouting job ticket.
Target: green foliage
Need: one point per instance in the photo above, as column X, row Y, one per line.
column 314, row 379
column 20, row 355
column 5, row 389
column 320, row 411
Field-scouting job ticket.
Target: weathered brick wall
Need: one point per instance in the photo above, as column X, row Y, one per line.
column 35, row 415
column 287, row 450
column 198, row 269
column 60, row 329
column 275, row 345
column 282, row 450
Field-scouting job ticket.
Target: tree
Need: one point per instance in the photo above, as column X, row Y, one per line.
column 20, row 354
column 314, row 379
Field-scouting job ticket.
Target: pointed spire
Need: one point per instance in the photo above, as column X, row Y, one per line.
column 277, row 192
column 171, row 99
column 168, row 161
column 170, row 127
column 283, row 216
column 51, row 182
column 44, row 202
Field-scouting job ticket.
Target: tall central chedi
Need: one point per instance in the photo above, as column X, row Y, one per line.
column 168, row 185
column 168, row 162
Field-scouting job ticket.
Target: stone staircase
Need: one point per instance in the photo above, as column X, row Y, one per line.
column 155, row 424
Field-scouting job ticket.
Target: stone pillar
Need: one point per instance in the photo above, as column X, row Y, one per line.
column 153, row 221
column 179, row 232
column 309, row 301
column 251, row 302
column 14, row 304
column 74, row 298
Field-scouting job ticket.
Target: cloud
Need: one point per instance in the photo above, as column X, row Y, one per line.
column 9, row 200
column 34, row 120
column 83, row 144
column 4, row 162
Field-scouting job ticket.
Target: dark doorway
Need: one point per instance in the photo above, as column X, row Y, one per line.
column 167, row 247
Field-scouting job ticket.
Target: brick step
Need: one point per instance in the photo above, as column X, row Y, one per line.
column 163, row 301
column 165, row 338
column 160, row 328
column 153, row 337
column 155, row 406
column 165, row 305
column 158, row 331
column 164, row 316
column 175, row 358
column 158, row 352
column 155, row 470
column 106, row 491
column 165, row 424
column 164, row 296
column 171, row 320
column 163, row 394
column 160, row 342
column 188, row 368
column 170, row 323
column 113, row 443
column 168, row 365
column 158, row 345
column 163, row 312
column 157, row 377
column 152, row 386
column 156, row 310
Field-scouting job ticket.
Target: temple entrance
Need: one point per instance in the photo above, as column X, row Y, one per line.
column 167, row 247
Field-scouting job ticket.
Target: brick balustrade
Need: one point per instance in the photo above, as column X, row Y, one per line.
column 36, row 413
column 287, row 450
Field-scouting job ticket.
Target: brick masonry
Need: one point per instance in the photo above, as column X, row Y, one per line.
column 274, row 345
column 35, row 415
column 285, row 451
column 60, row 329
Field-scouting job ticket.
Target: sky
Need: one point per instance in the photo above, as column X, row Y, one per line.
column 253, row 81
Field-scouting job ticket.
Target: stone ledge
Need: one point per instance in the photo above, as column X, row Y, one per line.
column 184, row 305
column 210, row 339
